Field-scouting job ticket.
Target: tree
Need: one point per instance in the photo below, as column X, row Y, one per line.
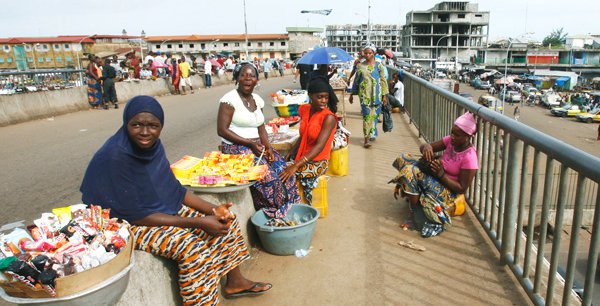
column 556, row 38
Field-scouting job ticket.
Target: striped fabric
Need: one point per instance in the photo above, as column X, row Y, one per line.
column 309, row 174
column 202, row 259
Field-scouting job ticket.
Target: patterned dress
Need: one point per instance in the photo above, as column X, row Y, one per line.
column 370, row 84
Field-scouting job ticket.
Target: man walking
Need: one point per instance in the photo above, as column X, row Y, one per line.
column 266, row 68
column 184, row 68
column 207, row 72
column 109, row 93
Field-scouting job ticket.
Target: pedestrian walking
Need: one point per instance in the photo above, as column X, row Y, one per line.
column 517, row 113
column 281, row 67
column 109, row 93
column 207, row 72
column 266, row 68
column 94, row 75
column 184, row 68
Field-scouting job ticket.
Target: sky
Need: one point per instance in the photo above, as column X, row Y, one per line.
column 42, row 18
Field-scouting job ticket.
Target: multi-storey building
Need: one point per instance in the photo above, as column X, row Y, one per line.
column 450, row 31
column 259, row 45
column 303, row 39
column 26, row 53
column 351, row 37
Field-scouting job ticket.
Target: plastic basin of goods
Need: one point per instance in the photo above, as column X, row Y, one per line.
column 286, row 110
column 286, row 240
column 106, row 293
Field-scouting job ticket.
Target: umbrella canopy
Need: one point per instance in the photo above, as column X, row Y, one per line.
column 328, row 55
column 214, row 62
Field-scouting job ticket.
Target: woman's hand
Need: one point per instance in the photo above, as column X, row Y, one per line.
column 257, row 149
column 427, row 151
column 212, row 226
column 223, row 214
column 437, row 167
column 384, row 99
column 269, row 155
column 288, row 172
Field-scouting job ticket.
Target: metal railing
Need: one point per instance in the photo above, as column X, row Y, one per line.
column 15, row 82
column 531, row 193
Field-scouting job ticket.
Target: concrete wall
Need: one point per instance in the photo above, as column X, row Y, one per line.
column 37, row 105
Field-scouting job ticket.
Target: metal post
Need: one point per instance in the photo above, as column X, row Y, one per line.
column 577, row 218
column 505, row 76
column 512, row 198
column 369, row 24
column 533, row 199
column 245, row 30
column 588, row 291
column 547, row 198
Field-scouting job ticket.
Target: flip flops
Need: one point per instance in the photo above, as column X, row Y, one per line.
column 250, row 291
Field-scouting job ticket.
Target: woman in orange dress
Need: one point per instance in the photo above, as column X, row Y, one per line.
column 317, row 130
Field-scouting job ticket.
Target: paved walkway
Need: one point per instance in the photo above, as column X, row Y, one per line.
column 355, row 258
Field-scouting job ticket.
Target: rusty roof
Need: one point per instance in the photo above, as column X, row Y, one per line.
column 223, row 37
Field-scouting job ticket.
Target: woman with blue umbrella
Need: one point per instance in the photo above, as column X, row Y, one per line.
column 371, row 86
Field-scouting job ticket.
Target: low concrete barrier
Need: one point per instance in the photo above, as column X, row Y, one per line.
column 153, row 279
column 37, row 105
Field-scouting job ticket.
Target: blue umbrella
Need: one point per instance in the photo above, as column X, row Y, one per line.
column 328, row 55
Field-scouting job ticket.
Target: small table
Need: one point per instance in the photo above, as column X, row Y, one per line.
column 285, row 146
column 342, row 97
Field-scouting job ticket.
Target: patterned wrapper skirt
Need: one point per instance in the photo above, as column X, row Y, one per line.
column 308, row 176
column 270, row 194
column 94, row 92
column 202, row 259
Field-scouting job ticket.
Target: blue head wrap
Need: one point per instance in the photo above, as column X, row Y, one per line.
column 132, row 182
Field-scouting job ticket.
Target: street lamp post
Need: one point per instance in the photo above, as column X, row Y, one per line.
column 142, row 45
column 437, row 45
column 245, row 31
column 369, row 24
column 510, row 41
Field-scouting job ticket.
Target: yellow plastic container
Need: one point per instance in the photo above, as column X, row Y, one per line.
column 338, row 162
column 459, row 206
column 319, row 200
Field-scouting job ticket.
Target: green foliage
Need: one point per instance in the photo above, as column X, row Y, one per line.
column 556, row 39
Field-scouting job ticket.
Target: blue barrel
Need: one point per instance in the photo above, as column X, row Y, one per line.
column 286, row 240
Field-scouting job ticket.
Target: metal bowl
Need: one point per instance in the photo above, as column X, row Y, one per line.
column 107, row 292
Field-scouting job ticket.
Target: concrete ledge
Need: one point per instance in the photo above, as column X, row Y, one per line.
column 153, row 279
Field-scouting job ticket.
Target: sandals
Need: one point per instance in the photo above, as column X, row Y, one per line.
column 252, row 291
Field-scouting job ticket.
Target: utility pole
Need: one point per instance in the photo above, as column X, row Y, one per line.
column 369, row 23
column 456, row 57
column 245, row 30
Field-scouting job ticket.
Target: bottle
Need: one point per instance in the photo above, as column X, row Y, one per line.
column 439, row 210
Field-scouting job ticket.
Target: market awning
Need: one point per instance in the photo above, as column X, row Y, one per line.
column 562, row 81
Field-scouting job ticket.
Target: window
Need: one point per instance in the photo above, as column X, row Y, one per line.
column 27, row 48
column 68, row 59
column 9, row 59
column 6, row 48
column 1, row 59
column 237, row 44
column 169, row 46
column 249, row 44
column 271, row 44
column 202, row 46
column 478, row 15
column 40, row 59
column 44, row 47
column 283, row 43
column 225, row 44
column 260, row 44
column 59, row 59
column 157, row 46
column 30, row 59
column 192, row 46
column 67, row 46
column 180, row 46
column 214, row 45
column 462, row 16
column 48, row 59
column 56, row 47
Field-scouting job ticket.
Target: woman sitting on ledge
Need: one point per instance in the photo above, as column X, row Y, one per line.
column 131, row 175
column 432, row 185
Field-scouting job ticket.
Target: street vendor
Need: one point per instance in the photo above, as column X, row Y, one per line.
column 317, row 130
column 130, row 174
column 241, row 125
column 432, row 186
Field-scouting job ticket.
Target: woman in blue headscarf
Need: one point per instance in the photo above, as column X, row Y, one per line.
column 130, row 174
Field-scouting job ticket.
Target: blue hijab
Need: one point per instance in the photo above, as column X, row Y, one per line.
column 132, row 182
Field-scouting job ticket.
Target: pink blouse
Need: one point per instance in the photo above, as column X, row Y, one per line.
column 453, row 161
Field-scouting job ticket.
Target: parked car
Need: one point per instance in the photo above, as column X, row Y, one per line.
column 527, row 91
column 480, row 84
column 466, row 95
column 551, row 99
column 490, row 102
column 511, row 96
column 592, row 116
column 568, row 110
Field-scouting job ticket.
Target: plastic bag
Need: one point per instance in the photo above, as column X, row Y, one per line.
column 388, row 124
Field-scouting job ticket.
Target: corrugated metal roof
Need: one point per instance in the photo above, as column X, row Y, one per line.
column 224, row 37
column 59, row 39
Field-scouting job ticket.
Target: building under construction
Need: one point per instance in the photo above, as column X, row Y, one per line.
column 351, row 37
column 449, row 32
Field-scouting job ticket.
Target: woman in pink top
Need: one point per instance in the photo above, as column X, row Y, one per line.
column 430, row 184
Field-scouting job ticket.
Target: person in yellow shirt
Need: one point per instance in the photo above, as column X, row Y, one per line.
column 185, row 68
